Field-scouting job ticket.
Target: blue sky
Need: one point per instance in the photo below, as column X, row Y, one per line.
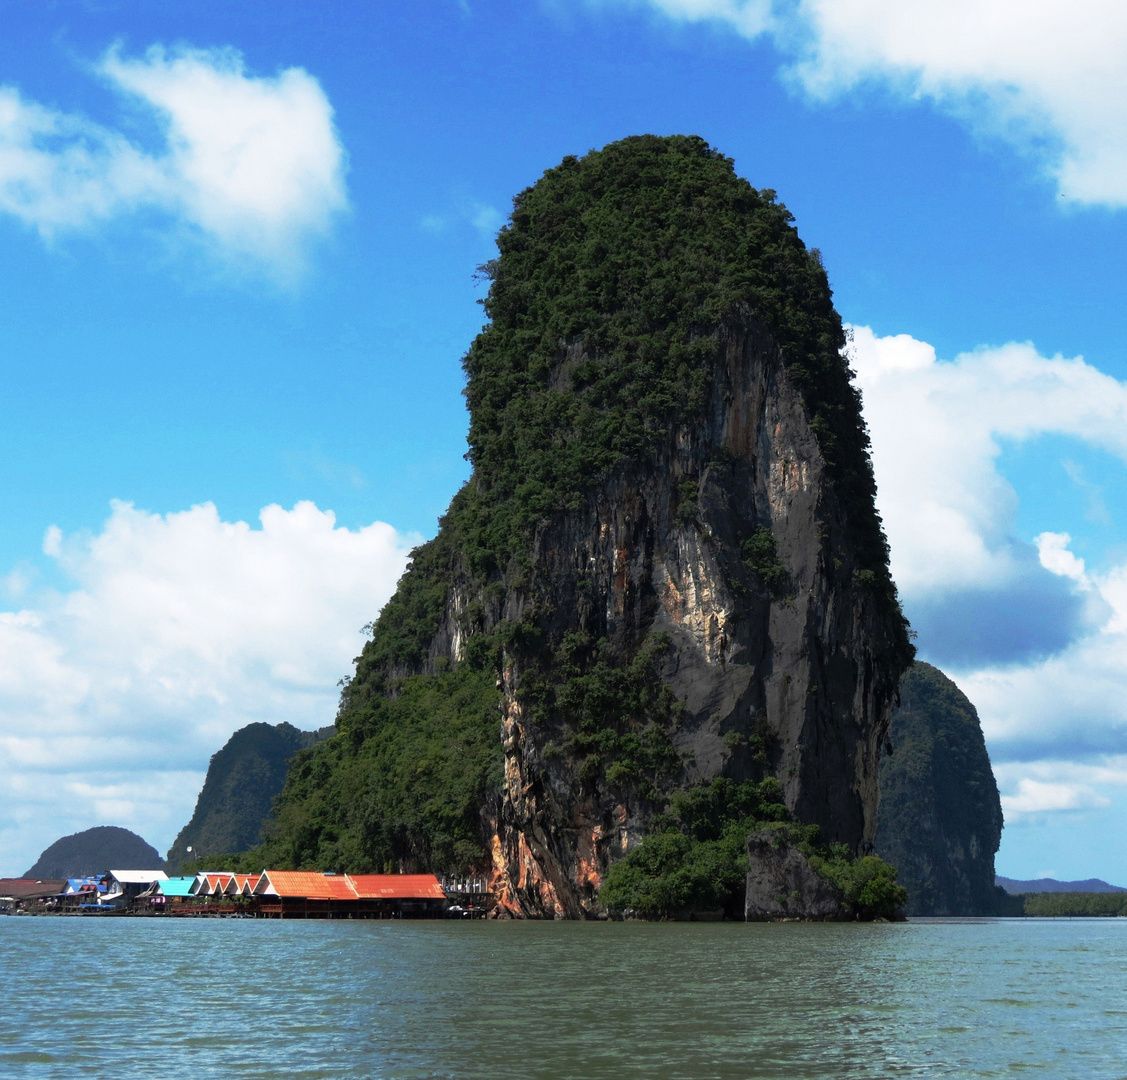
column 238, row 247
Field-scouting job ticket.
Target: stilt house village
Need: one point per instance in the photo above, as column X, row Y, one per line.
column 273, row 894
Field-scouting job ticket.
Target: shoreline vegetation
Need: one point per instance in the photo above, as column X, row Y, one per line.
column 696, row 858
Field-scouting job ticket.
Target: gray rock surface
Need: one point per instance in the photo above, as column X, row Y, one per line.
column 811, row 665
column 781, row 883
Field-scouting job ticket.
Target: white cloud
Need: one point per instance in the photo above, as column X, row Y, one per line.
column 937, row 429
column 481, row 216
column 486, row 220
column 181, row 628
column 60, row 172
column 1035, row 797
column 1028, row 71
column 251, row 166
column 1074, row 698
column 1054, row 556
column 749, row 17
column 1034, row 788
column 1048, row 77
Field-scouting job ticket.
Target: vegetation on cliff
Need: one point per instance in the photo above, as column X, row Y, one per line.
column 631, row 258
column 696, row 858
column 403, row 783
column 940, row 819
column 615, row 277
column 638, row 252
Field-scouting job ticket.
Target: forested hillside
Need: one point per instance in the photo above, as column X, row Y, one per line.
column 243, row 779
column 666, row 568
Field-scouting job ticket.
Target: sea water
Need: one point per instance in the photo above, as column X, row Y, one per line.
column 245, row 998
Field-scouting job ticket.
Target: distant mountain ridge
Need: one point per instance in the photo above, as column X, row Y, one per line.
column 92, row 851
column 1048, row 884
column 243, row 779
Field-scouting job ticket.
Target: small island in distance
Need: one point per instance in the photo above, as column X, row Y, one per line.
column 1051, row 885
column 94, row 851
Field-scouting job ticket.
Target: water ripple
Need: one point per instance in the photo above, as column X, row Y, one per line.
column 424, row 1001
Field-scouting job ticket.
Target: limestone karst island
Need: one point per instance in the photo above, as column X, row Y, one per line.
column 648, row 666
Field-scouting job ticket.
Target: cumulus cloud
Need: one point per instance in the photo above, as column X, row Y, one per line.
column 1035, row 636
column 252, row 166
column 1029, row 614
column 179, row 629
column 1050, row 78
column 1054, row 556
column 1071, row 703
column 938, row 429
column 1032, row 789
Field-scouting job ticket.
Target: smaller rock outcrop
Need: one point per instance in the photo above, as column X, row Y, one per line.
column 781, row 883
column 940, row 817
column 93, row 851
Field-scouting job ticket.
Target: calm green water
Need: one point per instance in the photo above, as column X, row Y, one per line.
column 211, row 998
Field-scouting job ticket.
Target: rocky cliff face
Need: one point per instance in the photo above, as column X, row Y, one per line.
column 781, row 884
column 667, row 562
column 792, row 680
column 940, row 820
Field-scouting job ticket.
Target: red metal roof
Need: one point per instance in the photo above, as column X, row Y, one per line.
column 316, row 886
column 337, row 887
column 217, row 884
column 310, row 884
column 31, row 888
column 397, row 886
column 240, row 885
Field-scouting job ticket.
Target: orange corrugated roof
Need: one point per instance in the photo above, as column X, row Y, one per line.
column 339, row 888
column 310, row 884
column 216, row 883
column 316, row 886
column 397, row 886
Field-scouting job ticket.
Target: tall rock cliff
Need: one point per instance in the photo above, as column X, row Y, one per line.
column 940, row 820
column 665, row 568
column 243, row 779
